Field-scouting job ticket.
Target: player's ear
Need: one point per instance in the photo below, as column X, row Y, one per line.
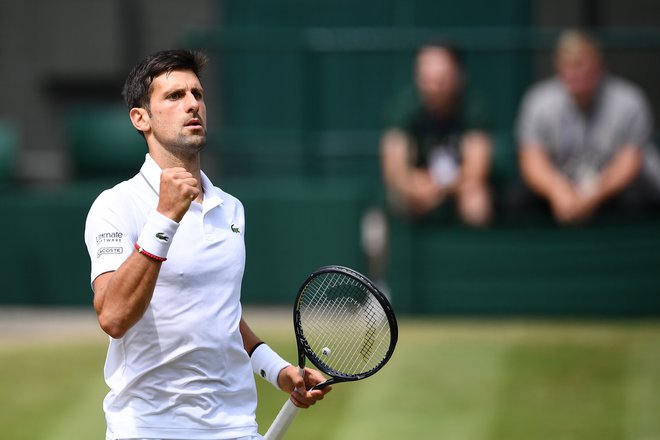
column 140, row 119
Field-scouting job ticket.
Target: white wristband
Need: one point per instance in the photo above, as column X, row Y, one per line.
column 156, row 236
column 267, row 364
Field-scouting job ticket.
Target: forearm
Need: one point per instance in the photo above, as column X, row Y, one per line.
column 540, row 174
column 250, row 339
column 476, row 151
column 280, row 373
column 122, row 297
column 265, row 362
column 619, row 173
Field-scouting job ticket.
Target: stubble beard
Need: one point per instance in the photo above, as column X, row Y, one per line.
column 187, row 146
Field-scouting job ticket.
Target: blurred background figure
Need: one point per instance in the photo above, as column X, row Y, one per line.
column 436, row 146
column 585, row 136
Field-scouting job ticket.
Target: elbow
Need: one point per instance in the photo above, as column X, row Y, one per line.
column 112, row 326
column 114, row 321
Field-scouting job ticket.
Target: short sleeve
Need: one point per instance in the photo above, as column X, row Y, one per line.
column 529, row 121
column 108, row 239
column 639, row 125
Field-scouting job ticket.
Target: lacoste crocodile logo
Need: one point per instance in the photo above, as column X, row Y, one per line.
column 162, row 237
column 235, row 229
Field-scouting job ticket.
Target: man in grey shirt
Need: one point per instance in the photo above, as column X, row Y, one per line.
column 584, row 135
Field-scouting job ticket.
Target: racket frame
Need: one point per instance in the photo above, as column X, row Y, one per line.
column 287, row 414
column 305, row 350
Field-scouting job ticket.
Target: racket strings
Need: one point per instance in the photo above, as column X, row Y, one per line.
column 341, row 340
column 345, row 326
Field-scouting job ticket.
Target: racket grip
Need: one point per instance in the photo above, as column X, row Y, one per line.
column 282, row 421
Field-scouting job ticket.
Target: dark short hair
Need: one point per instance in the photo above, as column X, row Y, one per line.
column 137, row 88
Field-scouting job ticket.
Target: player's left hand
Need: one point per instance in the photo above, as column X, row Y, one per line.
column 292, row 382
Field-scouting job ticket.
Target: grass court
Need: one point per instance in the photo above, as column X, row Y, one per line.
column 448, row 379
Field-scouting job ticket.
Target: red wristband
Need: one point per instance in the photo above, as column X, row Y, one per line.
column 148, row 254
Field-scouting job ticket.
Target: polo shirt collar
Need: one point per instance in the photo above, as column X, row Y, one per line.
column 151, row 173
column 212, row 197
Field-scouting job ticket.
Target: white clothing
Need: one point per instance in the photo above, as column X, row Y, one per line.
column 257, row 437
column 181, row 371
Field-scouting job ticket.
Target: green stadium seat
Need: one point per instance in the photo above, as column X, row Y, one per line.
column 103, row 143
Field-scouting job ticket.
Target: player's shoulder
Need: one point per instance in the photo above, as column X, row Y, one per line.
column 117, row 196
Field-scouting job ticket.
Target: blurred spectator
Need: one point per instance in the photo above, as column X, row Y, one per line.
column 585, row 135
column 435, row 146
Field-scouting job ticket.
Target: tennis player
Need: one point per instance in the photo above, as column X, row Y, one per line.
column 167, row 258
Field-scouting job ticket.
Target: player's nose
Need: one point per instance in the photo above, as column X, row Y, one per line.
column 192, row 103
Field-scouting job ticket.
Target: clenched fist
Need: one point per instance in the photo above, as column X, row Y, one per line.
column 178, row 188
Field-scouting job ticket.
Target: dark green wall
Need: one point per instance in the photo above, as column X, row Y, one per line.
column 305, row 86
column 606, row 269
column 301, row 88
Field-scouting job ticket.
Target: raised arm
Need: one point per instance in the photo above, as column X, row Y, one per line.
column 121, row 297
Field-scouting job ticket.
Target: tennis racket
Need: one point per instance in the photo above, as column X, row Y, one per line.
column 345, row 326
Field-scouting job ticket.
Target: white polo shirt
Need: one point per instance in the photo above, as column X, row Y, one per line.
column 181, row 371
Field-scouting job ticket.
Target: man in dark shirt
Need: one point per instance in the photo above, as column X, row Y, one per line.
column 436, row 148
